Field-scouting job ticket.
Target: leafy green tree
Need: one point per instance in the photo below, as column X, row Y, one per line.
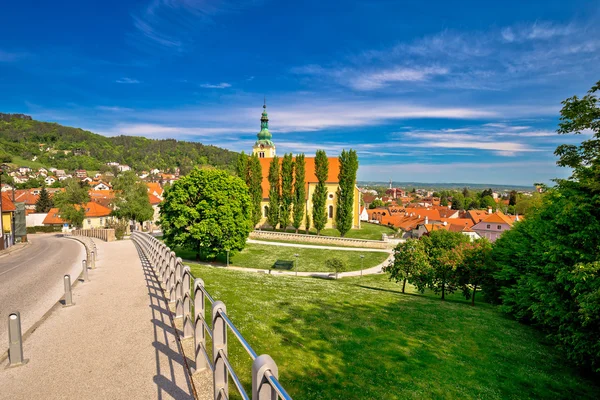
column 458, row 201
column 487, row 192
column 299, row 198
column 444, row 200
column 255, row 188
column 72, row 202
column 488, row 202
column 207, row 211
column 307, row 223
column 345, row 192
column 528, row 205
column 376, row 203
column 319, row 198
column 438, row 246
column 131, row 200
column 335, row 264
column 475, row 267
column 44, row 203
column 287, row 190
column 410, row 262
column 274, row 193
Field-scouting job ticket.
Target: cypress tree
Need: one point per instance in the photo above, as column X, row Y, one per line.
column 241, row 167
column 287, row 186
column 274, row 193
column 44, row 203
column 319, row 198
column 255, row 188
column 345, row 191
column 299, row 191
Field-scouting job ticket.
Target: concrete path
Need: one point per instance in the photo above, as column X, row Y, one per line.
column 31, row 278
column 313, row 246
column 369, row 271
column 116, row 342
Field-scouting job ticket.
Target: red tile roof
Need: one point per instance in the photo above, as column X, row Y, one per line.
column 7, row 204
column 92, row 210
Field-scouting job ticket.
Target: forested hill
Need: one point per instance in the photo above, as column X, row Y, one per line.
column 22, row 139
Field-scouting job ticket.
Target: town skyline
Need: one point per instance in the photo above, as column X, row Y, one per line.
column 422, row 95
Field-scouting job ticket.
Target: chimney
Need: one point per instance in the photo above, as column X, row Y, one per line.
column 426, row 220
column 517, row 217
column 489, row 210
column 445, row 223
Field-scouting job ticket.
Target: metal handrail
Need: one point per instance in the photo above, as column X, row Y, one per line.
column 153, row 248
column 277, row 386
column 239, row 336
column 232, row 373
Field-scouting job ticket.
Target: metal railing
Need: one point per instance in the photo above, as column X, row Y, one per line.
column 108, row 235
column 176, row 279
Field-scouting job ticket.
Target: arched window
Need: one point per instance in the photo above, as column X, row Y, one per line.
column 266, row 211
column 330, row 211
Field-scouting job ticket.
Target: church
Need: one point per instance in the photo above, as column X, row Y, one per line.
column 265, row 148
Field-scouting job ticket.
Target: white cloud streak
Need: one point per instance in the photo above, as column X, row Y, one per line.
column 222, row 85
column 127, row 81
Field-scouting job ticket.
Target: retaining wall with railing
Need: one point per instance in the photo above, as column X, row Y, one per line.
column 108, row 235
column 176, row 279
column 330, row 240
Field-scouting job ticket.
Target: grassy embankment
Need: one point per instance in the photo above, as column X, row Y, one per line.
column 360, row 338
column 264, row 256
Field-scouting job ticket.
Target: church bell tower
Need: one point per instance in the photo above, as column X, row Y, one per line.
column 264, row 146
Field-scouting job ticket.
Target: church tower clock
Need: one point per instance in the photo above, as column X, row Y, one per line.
column 264, row 146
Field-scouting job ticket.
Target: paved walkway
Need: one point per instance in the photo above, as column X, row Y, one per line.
column 313, row 246
column 116, row 342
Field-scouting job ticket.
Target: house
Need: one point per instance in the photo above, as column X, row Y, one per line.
column 43, row 172
column 6, row 216
column 49, row 180
column 52, row 169
column 24, row 170
column 87, row 179
column 112, row 164
column 264, row 148
column 6, row 188
column 60, row 172
column 101, row 186
column 81, row 173
column 155, row 202
column 154, row 171
column 494, row 224
column 123, row 168
column 155, row 189
column 20, row 179
column 364, row 215
column 96, row 216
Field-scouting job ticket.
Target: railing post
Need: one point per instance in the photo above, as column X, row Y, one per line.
column 68, row 292
column 261, row 387
column 93, row 259
column 199, row 332
column 188, row 327
column 86, row 278
column 15, row 340
column 220, row 376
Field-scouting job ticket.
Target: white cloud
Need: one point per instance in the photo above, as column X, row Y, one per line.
column 166, row 131
column 222, row 85
column 127, row 80
column 379, row 79
column 113, row 108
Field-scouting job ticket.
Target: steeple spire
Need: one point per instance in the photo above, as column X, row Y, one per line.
column 264, row 146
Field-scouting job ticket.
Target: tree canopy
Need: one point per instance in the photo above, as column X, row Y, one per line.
column 71, row 203
column 207, row 211
column 131, row 200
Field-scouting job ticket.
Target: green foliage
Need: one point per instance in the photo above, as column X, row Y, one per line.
column 274, row 193
column 410, row 263
column 131, row 200
column 120, row 227
column 307, row 223
column 207, row 211
column 345, row 192
column 488, row 202
column 528, row 205
column 241, row 167
column 299, row 200
column 71, row 203
column 287, row 190
column 44, row 202
column 319, row 198
column 376, row 203
column 439, row 246
column 44, row 229
column 475, row 267
column 336, row 265
column 458, row 201
column 512, row 198
column 255, row 188
column 22, row 138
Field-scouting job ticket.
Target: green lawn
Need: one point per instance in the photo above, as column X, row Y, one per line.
column 264, row 256
column 359, row 338
column 367, row 231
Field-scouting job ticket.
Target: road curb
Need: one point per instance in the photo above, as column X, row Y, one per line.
column 10, row 251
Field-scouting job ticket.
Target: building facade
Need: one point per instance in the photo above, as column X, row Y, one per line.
column 265, row 149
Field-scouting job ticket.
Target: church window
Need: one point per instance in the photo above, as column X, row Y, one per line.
column 261, row 154
column 330, row 211
column 266, row 211
column 330, row 195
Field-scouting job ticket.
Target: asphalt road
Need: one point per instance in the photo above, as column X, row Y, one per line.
column 31, row 279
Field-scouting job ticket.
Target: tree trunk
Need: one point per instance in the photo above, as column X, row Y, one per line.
column 403, row 285
column 443, row 290
column 473, row 297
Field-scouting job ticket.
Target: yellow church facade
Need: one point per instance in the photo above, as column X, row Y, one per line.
column 266, row 150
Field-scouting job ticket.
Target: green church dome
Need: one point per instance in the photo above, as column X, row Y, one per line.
column 264, row 136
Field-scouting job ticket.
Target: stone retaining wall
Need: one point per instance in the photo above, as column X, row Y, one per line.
column 329, row 240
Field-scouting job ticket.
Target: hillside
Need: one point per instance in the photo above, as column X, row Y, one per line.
column 63, row 147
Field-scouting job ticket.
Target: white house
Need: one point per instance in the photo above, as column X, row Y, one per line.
column 49, row 180
column 24, row 170
column 124, row 168
column 62, row 177
column 364, row 215
column 86, row 179
column 60, row 172
column 101, row 186
column 154, row 171
column 43, row 172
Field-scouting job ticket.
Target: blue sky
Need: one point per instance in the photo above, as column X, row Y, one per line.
column 432, row 91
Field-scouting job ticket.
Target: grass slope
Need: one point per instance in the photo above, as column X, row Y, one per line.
column 362, row 339
column 312, row 260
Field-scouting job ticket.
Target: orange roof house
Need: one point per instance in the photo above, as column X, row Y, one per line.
column 7, row 204
column 493, row 225
column 93, row 210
